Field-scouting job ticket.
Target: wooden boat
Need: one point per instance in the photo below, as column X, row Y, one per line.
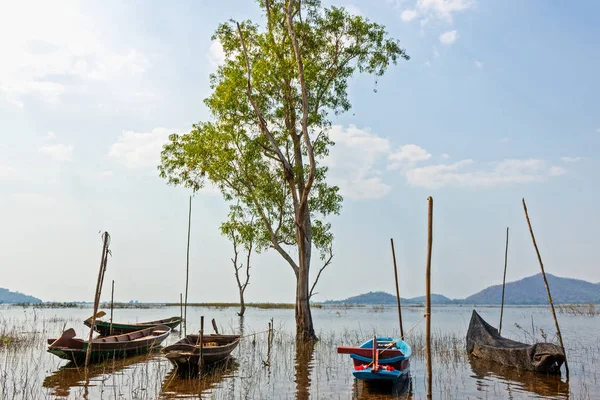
column 484, row 341
column 74, row 349
column 104, row 327
column 185, row 354
column 379, row 359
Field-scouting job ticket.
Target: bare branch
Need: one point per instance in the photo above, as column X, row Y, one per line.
column 327, row 262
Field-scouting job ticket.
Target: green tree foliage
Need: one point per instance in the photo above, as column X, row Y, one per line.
column 270, row 107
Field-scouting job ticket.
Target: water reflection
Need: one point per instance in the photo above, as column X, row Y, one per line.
column 516, row 380
column 69, row 376
column 304, row 364
column 401, row 389
column 179, row 385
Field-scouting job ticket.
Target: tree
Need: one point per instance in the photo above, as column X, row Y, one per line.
column 268, row 131
column 241, row 229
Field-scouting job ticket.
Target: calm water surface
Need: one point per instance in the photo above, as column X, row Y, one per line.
column 28, row 371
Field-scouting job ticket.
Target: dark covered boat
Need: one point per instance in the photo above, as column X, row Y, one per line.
column 484, row 342
column 104, row 327
column 117, row 346
column 185, row 354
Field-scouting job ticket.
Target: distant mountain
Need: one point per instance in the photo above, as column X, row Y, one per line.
column 6, row 296
column 386, row 298
column 531, row 290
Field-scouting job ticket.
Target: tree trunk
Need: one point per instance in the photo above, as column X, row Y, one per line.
column 242, row 304
column 304, row 322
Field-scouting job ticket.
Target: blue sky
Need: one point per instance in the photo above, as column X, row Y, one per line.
column 498, row 102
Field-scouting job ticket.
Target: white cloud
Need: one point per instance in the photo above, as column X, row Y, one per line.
column 6, row 171
column 478, row 64
column 428, row 63
column 443, row 9
column 407, row 155
column 59, row 152
column 448, row 37
column 445, row 156
column 434, row 9
column 50, row 135
column 58, row 50
column 459, row 174
column 570, row 159
column 34, row 199
column 216, row 54
column 140, row 150
column 106, row 174
column 408, row 15
column 353, row 10
column 505, row 139
column 436, row 53
column 598, row 130
column 355, row 162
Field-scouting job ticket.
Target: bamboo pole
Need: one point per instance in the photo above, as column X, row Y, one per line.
column 503, row 281
column 214, row 324
column 112, row 304
column 547, row 288
column 428, row 294
column 397, row 289
column 200, row 360
column 187, row 268
column 181, row 306
column 103, row 261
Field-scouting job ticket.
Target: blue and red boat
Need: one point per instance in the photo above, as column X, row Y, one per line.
column 379, row 359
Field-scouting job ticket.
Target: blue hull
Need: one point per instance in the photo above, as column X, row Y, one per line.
column 382, row 375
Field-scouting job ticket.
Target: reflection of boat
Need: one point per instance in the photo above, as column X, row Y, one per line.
column 382, row 358
column 179, row 385
column 544, row 385
column 399, row 389
column 74, row 349
column 185, row 354
column 104, row 327
column 483, row 341
column 70, row 376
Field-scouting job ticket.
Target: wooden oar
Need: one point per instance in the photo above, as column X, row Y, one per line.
column 99, row 314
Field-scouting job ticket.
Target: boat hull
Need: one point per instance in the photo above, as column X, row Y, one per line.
column 484, row 342
column 185, row 354
column 391, row 363
column 104, row 328
column 70, row 348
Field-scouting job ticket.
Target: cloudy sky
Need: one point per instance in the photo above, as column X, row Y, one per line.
column 498, row 102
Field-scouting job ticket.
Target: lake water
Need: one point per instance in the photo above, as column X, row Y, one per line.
column 28, row 371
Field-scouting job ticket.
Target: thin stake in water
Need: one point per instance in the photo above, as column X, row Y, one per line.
column 428, row 295
column 397, row 289
column 503, row 281
column 103, row 262
column 547, row 288
column 187, row 267
column 112, row 304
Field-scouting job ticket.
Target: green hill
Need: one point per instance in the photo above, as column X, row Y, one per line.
column 531, row 290
column 527, row 291
column 6, row 296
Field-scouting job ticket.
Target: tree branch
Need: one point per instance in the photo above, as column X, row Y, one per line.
column 308, row 144
column 261, row 121
column 327, row 262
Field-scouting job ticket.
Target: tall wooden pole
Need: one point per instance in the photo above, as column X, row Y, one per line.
column 201, row 338
column 112, row 304
column 397, row 290
column 187, row 268
column 428, row 294
column 181, row 305
column 103, row 261
column 503, row 281
column 547, row 287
